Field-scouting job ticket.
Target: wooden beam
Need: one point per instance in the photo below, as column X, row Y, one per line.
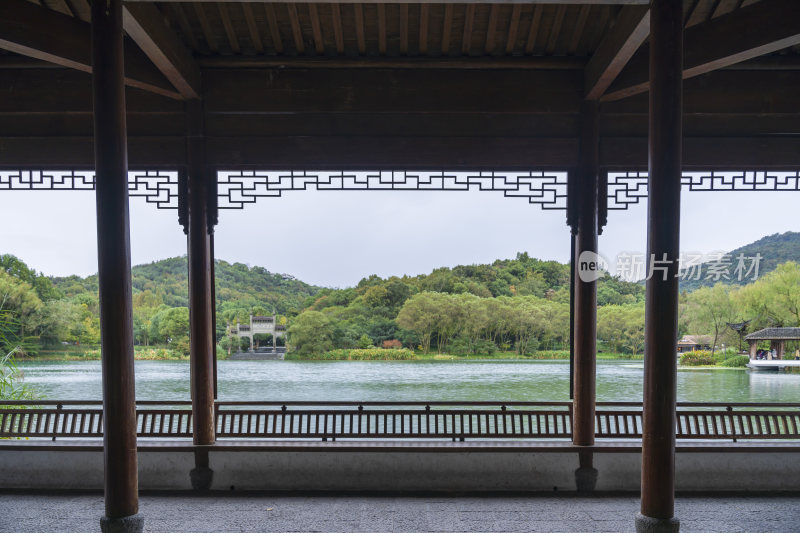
column 41, row 33
column 208, row 33
column 382, row 29
column 491, row 30
column 404, row 29
column 252, row 27
column 233, row 39
column 186, row 29
column 467, row 63
column 592, row 2
column 146, row 26
column 363, row 152
column 577, row 33
column 423, row 28
column 746, row 33
column 359, row 20
column 297, row 33
column 616, row 49
column 469, row 19
column 274, row 31
column 533, row 32
column 447, row 29
column 513, row 29
column 81, row 9
column 316, row 29
column 555, row 30
column 338, row 35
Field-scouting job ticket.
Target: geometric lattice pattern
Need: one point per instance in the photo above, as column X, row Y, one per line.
column 546, row 189
column 628, row 188
column 156, row 187
column 238, row 188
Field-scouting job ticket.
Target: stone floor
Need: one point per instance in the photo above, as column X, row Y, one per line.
column 225, row 512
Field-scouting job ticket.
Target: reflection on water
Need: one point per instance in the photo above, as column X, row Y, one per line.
column 404, row 381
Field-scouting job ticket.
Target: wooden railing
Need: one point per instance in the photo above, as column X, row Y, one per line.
column 401, row 420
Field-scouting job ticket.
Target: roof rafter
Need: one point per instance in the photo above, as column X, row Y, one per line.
column 616, row 50
column 146, row 26
column 591, row 2
column 41, row 33
column 749, row 32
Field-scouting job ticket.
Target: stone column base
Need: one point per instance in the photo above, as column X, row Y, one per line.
column 585, row 479
column 201, row 477
column 126, row 524
column 646, row 524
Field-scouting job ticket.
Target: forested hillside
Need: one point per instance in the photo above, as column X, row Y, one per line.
column 519, row 304
column 773, row 249
column 237, row 284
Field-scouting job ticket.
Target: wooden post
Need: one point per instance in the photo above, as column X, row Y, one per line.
column 114, row 270
column 585, row 340
column 663, row 232
column 585, row 295
column 213, row 282
column 200, row 290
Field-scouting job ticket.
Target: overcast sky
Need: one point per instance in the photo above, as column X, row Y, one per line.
column 336, row 238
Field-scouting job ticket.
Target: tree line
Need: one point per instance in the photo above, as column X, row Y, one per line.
column 519, row 304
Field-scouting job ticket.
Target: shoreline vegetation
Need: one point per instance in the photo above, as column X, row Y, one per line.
column 691, row 361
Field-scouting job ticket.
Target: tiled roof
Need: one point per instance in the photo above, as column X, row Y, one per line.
column 775, row 334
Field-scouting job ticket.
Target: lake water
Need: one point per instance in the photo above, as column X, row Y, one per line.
column 405, row 381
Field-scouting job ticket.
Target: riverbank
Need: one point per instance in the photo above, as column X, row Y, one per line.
column 379, row 354
column 75, row 353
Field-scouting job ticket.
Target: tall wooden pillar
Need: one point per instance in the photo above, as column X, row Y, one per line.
column 201, row 301
column 114, row 270
column 661, row 308
column 585, row 339
column 585, row 272
column 213, row 282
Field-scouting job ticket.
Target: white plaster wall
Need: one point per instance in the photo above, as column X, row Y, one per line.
column 401, row 471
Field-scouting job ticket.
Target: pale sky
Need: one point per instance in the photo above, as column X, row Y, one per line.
column 336, row 238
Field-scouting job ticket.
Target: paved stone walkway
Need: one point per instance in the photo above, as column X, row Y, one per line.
column 217, row 513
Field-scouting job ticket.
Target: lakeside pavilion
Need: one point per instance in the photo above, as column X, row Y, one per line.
column 582, row 106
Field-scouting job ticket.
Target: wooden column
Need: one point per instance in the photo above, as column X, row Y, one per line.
column 114, row 269
column 201, row 299
column 213, row 306
column 585, row 296
column 663, row 231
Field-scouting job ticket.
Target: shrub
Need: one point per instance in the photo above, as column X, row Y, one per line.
column 737, row 361
column 370, row 354
column 364, row 342
column 392, row 344
column 698, row 358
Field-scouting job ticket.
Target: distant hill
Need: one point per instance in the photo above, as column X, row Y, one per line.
column 251, row 286
column 774, row 249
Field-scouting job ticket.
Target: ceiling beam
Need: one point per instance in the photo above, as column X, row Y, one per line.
column 146, row 26
column 41, row 33
column 587, row 2
column 616, row 49
column 749, row 32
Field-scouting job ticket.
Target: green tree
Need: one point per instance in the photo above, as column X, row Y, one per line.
column 711, row 309
column 311, row 332
column 421, row 314
column 20, row 299
column 174, row 323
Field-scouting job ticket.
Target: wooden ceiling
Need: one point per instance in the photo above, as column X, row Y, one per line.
column 502, row 83
column 350, row 30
